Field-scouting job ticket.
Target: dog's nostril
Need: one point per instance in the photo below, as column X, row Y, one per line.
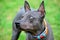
column 17, row 25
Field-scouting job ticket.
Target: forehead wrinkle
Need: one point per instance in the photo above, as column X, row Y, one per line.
column 35, row 14
column 32, row 14
column 26, row 14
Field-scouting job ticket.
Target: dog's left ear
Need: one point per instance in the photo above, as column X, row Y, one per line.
column 26, row 6
column 42, row 9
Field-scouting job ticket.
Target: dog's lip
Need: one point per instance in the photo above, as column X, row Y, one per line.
column 28, row 30
column 33, row 32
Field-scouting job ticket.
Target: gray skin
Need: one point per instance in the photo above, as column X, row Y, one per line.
column 31, row 22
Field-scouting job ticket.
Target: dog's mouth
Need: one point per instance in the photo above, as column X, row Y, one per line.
column 29, row 31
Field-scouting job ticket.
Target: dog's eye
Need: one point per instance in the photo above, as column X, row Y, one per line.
column 31, row 19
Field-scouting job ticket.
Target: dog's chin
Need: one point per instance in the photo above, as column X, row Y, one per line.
column 29, row 31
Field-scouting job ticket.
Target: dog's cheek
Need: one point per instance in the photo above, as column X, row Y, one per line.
column 35, row 26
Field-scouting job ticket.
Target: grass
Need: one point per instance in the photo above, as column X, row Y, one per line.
column 9, row 8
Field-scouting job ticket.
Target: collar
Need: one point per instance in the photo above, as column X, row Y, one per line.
column 43, row 34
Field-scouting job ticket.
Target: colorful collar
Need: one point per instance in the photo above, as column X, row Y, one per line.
column 43, row 34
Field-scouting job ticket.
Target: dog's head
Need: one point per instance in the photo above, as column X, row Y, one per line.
column 32, row 20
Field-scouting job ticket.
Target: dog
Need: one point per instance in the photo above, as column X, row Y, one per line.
column 33, row 23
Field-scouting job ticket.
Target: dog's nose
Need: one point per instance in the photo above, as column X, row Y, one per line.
column 17, row 25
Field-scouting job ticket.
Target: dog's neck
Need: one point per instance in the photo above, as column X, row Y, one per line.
column 43, row 33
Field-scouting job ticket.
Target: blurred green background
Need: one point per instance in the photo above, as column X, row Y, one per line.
column 9, row 8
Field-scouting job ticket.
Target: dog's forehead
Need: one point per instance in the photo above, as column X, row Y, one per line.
column 33, row 14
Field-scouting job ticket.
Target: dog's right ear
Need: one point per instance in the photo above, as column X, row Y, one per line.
column 26, row 6
column 42, row 9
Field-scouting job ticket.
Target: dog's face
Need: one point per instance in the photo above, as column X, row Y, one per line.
column 32, row 20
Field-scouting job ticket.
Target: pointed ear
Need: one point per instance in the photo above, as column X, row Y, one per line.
column 26, row 6
column 42, row 9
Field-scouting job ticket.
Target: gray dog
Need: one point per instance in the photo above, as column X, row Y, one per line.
column 33, row 23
